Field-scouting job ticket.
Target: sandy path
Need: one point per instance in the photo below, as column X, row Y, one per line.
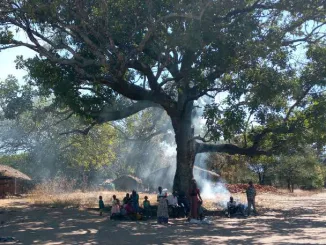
column 289, row 220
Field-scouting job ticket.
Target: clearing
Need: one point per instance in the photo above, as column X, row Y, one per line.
column 284, row 219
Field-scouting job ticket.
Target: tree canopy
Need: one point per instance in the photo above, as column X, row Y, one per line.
column 107, row 60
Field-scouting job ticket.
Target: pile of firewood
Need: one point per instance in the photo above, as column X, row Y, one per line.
column 238, row 188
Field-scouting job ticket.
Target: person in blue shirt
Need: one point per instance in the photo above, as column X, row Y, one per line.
column 101, row 205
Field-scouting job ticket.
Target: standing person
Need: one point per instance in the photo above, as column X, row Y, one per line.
column 101, row 205
column 147, row 207
column 195, row 198
column 162, row 208
column 251, row 196
column 115, row 206
column 135, row 201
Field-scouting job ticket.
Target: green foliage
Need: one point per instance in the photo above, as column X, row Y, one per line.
column 55, row 146
column 14, row 99
column 296, row 171
column 233, row 169
column 99, row 57
column 301, row 171
column 91, row 151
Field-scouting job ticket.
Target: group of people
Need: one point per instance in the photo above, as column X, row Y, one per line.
column 175, row 205
column 179, row 205
column 234, row 207
column 128, row 208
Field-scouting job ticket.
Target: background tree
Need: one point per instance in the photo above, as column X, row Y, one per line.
column 233, row 169
column 265, row 168
column 304, row 170
column 45, row 142
column 132, row 55
column 48, row 143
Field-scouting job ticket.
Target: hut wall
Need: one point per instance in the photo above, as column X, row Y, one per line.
column 7, row 187
column 127, row 184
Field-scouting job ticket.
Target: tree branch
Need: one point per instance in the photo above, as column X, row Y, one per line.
column 107, row 114
column 147, row 71
column 64, row 119
column 229, row 149
column 147, row 138
column 299, row 100
column 79, row 131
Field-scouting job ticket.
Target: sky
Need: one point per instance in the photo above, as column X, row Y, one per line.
column 7, row 62
column 8, row 57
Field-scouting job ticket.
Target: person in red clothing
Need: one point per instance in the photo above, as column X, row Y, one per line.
column 128, row 208
column 195, row 199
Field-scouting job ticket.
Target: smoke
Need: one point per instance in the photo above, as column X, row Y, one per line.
column 197, row 118
column 153, row 160
column 210, row 188
column 29, row 148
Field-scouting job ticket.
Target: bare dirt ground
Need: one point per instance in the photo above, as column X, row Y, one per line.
column 283, row 219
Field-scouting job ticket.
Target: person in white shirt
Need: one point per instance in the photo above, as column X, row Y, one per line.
column 173, row 199
column 162, row 208
column 173, row 205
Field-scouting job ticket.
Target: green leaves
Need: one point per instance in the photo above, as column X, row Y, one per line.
column 101, row 54
column 14, row 99
column 93, row 150
column 6, row 36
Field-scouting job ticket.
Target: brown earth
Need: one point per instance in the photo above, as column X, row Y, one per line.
column 298, row 218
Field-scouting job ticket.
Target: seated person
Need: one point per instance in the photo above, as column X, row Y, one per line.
column 126, row 199
column 128, row 208
column 174, row 207
column 233, row 207
column 184, row 204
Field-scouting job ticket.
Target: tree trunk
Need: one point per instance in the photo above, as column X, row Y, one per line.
column 184, row 135
column 289, row 185
column 260, row 177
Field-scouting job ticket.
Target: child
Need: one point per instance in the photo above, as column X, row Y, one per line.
column 115, row 206
column 101, row 205
column 147, row 207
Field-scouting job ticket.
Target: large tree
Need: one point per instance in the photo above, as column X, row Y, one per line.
column 109, row 59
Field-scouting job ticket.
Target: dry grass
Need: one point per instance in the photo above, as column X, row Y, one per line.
column 80, row 199
column 62, row 194
column 263, row 200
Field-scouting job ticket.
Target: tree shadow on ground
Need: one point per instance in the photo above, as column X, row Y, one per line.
column 35, row 225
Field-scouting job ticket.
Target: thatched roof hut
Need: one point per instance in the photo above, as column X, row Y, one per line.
column 107, row 181
column 12, row 181
column 108, row 185
column 127, row 183
column 9, row 172
column 164, row 177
